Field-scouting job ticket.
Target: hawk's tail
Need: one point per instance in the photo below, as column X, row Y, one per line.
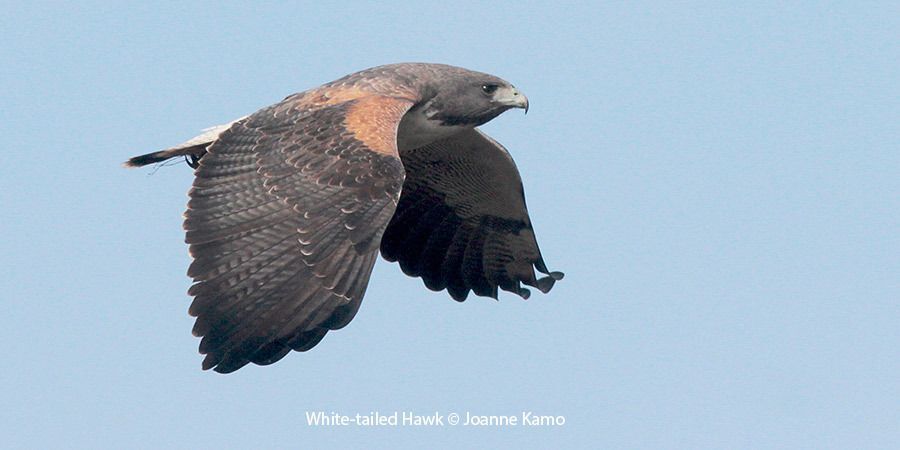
column 192, row 154
column 192, row 150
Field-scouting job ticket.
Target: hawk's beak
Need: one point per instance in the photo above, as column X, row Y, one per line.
column 513, row 98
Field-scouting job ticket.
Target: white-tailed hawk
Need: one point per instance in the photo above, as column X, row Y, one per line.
column 291, row 204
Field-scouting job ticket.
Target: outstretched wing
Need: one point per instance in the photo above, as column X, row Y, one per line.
column 284, row 223
column 462, row 224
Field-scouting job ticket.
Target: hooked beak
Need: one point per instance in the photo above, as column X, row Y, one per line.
column 512, row 97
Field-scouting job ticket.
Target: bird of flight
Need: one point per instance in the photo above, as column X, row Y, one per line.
column 291, row 204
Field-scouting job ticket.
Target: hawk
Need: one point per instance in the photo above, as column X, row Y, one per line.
column 291, row 204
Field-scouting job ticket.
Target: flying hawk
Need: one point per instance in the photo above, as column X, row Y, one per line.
column 291, row 204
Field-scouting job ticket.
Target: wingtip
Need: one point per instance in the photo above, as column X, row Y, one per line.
column 546, row 283
column 524, row 293
column 458, row 293
column 223, row 367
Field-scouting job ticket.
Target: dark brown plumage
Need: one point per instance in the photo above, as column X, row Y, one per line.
column 291, row 204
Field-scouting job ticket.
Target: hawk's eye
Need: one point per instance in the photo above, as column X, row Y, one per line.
column 489, row 88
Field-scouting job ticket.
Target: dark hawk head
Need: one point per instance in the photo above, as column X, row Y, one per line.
column 460, row 97
column 449, row 100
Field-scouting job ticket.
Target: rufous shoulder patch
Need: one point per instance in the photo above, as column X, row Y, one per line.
column 374, row 120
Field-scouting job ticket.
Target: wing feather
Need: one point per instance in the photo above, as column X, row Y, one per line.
column 284, row 221
column 462, row 224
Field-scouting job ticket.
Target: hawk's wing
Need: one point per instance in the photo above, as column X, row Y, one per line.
column 284, row 223
column 461, row 223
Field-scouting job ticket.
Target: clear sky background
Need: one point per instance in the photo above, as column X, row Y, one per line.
column 720, row 183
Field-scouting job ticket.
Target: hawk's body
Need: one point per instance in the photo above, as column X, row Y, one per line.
column 291, row 204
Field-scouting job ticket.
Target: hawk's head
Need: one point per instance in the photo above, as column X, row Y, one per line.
column 449, row 100
column 462, row 97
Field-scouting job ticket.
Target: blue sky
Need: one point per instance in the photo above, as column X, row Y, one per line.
column 720, row 183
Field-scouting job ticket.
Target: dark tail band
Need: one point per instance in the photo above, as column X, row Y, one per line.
column 191, row 154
